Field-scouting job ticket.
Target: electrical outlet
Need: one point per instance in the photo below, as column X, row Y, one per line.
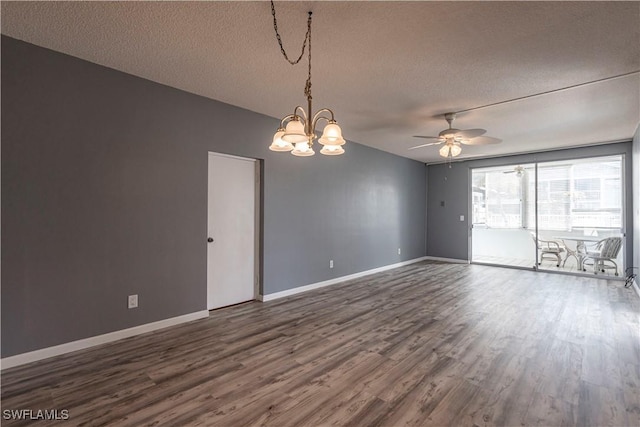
column 461, row 218
column 399, row 251
column 133, row 301
column 330, row 263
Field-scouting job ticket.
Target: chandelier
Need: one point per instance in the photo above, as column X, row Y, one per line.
column 297, row 131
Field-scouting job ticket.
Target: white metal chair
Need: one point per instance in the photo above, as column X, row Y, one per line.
column 605, row 251
column 549, row 249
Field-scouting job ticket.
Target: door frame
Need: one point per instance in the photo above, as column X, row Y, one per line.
column 536, row 162
column 258, row 222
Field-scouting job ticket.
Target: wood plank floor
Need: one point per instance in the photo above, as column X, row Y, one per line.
column 426, row 344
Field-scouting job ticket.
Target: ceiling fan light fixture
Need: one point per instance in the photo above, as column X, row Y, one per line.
column 448, row 133
column 450, row 149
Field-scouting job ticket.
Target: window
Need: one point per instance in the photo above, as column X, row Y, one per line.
column 590, row 196
column 499, row 196
column 582, row 193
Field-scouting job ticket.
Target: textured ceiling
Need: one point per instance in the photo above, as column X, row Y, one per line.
column 389, row 70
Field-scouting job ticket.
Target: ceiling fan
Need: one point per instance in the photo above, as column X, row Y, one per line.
column 452, row 138
column 518, row 170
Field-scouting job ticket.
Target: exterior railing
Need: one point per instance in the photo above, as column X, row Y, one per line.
column 552, row 222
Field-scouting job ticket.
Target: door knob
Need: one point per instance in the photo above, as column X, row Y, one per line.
column 210, row 239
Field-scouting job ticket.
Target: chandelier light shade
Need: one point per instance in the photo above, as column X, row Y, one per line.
column 280, row 144
column 302, row 149
column 332, row 135
column 297, row 131
column 332, row 150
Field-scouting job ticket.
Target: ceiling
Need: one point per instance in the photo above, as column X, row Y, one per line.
column 389, row 70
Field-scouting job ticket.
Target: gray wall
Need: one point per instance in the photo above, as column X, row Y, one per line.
column 636, row 204
column 104, row 194
column 448, row 190
column 448, row 237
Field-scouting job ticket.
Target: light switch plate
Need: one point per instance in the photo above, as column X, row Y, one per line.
column 133, row 301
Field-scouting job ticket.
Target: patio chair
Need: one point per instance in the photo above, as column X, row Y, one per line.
column 605, row 251
column 549, row 249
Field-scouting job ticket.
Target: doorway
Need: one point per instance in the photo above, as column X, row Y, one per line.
column 503, row 215
column 232, row 239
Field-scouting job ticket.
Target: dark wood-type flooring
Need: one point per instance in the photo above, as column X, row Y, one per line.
column 426, row 344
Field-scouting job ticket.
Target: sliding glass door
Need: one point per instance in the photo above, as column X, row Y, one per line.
column 580, row 205
column 503, row 215
column 550, row 215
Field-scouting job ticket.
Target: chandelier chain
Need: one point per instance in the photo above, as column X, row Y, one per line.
column 307, row 86
column 304, row 44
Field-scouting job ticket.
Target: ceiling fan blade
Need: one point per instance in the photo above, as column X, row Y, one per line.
column 427, row 137
column 470, row 133
column 482, row 140
column 509, row 172
column 425, row 145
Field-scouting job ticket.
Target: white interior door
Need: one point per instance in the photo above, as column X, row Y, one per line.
column 231, row 230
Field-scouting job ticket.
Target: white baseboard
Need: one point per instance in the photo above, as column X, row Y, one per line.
column 32, row 356
column 298, row 290
column 451, row 260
